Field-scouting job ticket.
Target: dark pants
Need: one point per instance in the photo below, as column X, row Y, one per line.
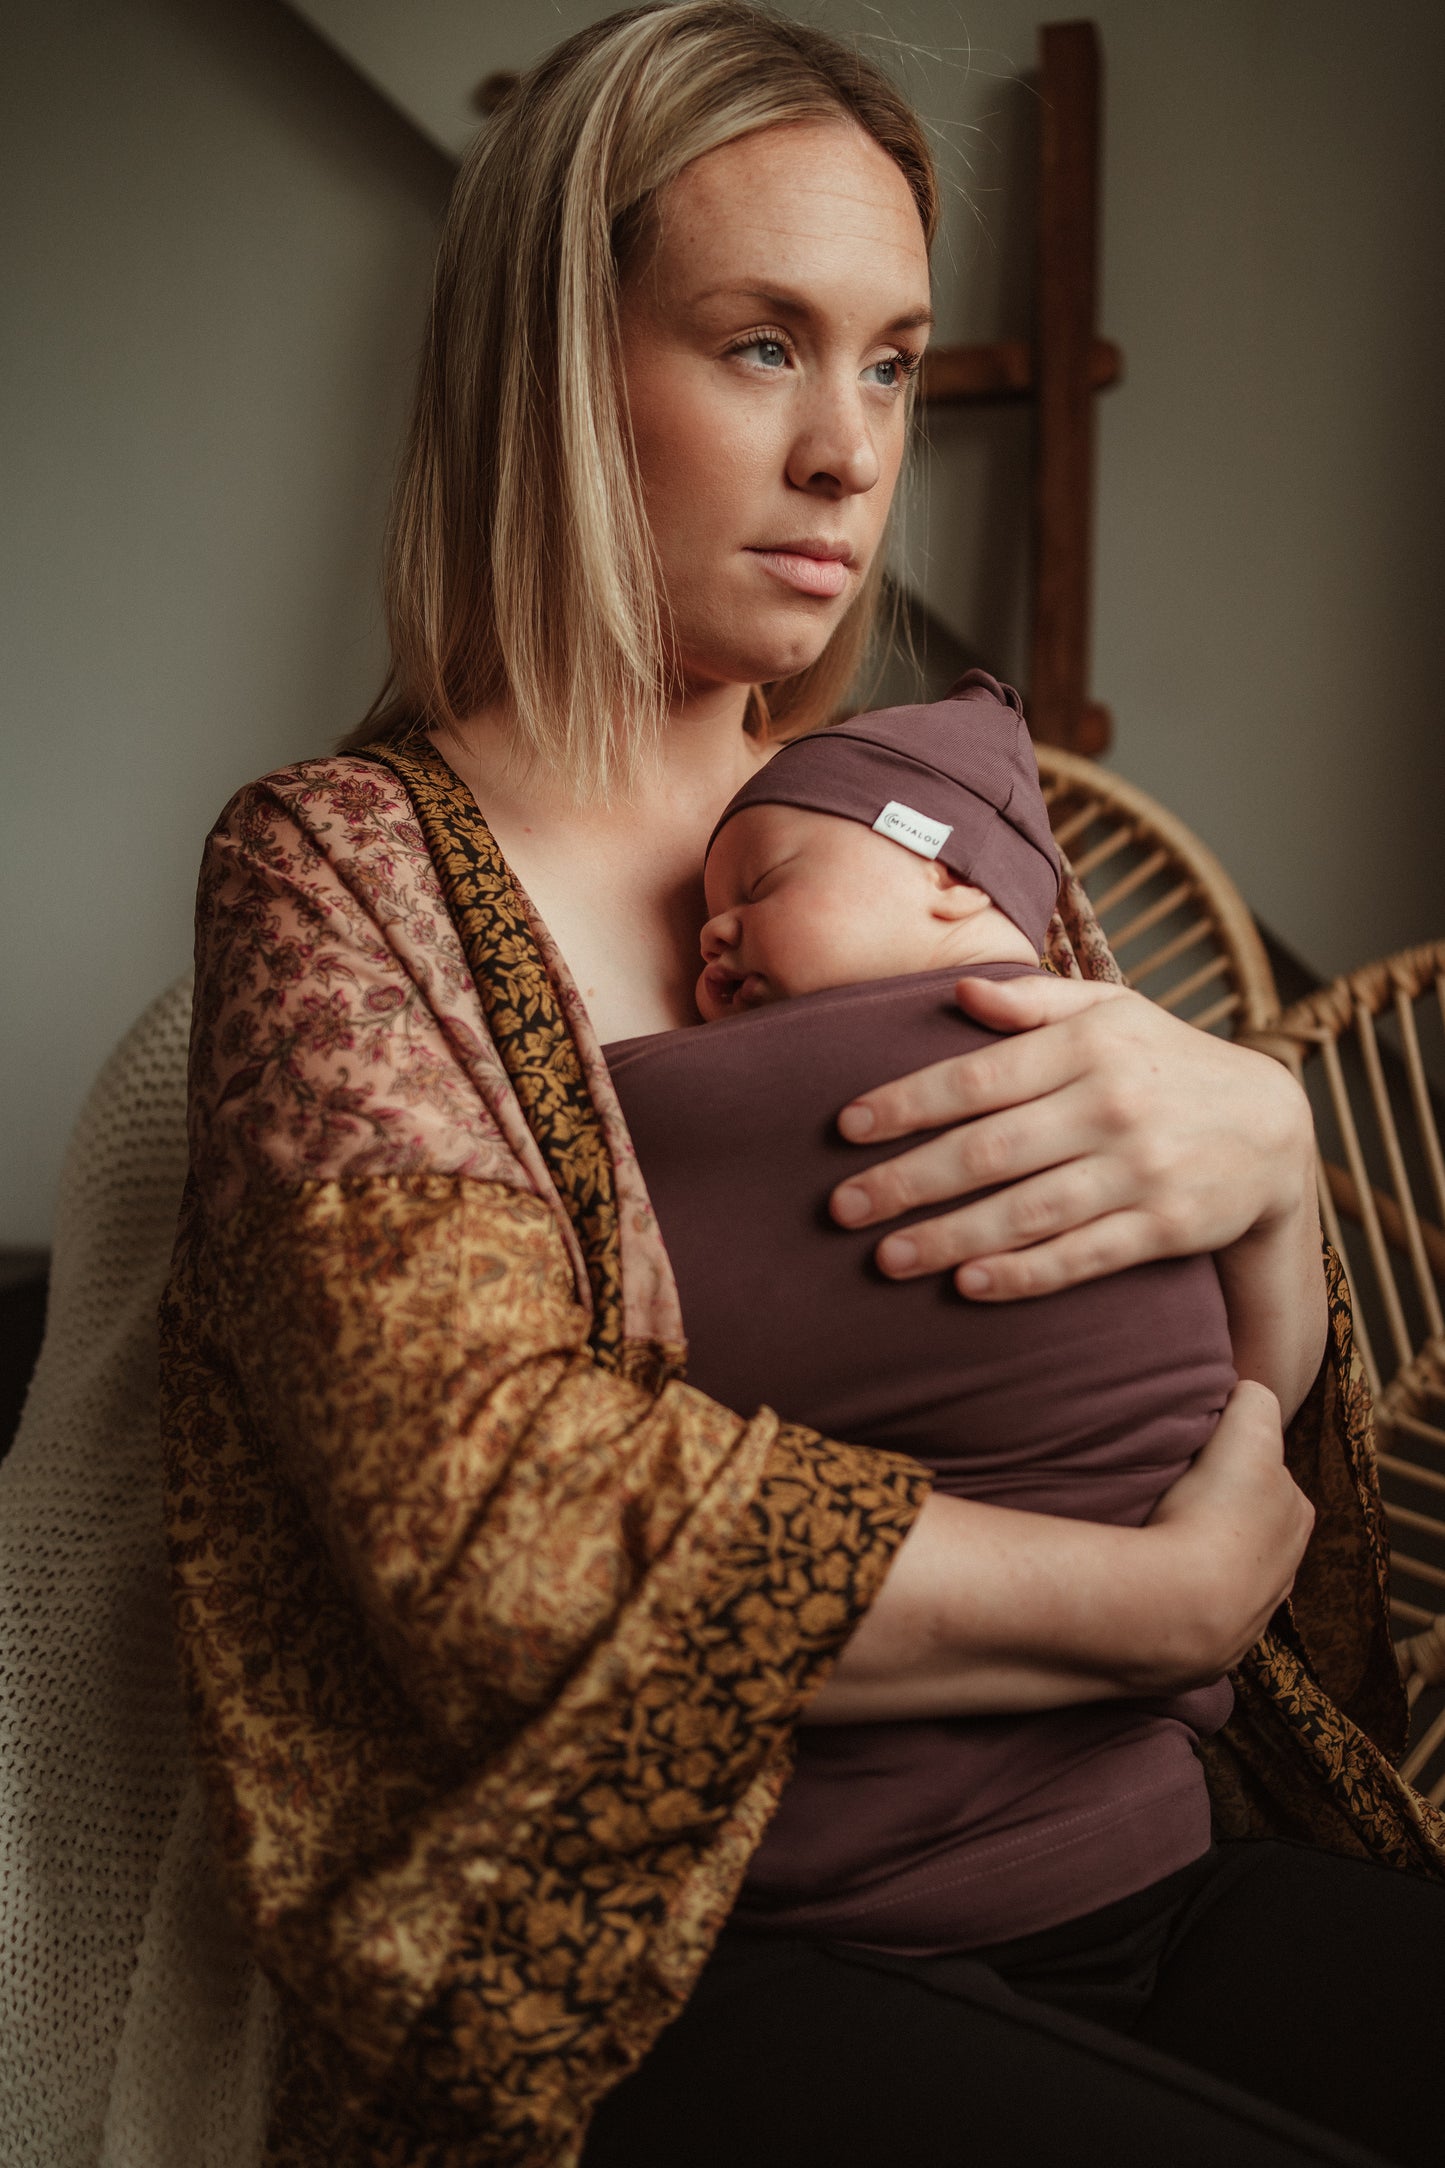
column 1269, row 2006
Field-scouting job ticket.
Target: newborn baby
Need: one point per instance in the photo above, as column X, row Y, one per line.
column 803, row 899
column 851, row 883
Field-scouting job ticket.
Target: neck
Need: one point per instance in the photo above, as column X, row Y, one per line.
column 618, row 884
column 704, row 755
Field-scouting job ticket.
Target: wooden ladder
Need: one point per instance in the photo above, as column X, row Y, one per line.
column 1057, row 372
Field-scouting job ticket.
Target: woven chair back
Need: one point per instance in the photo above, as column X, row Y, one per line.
column 1370, row 1050
column 1178, row 925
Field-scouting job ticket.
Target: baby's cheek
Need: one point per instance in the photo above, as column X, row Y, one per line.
column 778, row 947
column 807, row 957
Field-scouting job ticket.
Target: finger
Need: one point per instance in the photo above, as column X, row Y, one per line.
column 1108, row 1244
column 1036, row 998
column 991, row 1152
column 1253, row 1399
column 1003, row 1073
column 1018, row 1217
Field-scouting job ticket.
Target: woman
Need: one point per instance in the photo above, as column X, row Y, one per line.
column 494, row 1631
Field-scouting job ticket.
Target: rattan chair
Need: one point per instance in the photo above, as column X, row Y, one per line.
column 1370, row 1050
column 1178, row 925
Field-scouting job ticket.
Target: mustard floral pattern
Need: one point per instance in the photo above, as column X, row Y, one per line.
column 495, row 1631
column 527, row 1023
column 493, row 1647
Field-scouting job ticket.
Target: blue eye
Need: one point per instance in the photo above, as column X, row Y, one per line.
column 896, row 368
column 771, row 352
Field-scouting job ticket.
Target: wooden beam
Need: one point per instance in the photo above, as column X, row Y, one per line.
column 1060, row 712
column 1004, row 371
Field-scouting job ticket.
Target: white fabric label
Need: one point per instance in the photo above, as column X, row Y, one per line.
column 915, row 831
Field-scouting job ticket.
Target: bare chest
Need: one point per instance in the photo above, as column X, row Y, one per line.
column 625, row 913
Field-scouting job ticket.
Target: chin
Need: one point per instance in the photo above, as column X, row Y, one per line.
column 754, row 654
column 798, row 646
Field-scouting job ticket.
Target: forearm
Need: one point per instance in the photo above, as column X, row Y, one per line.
column 1274, row 1281
column 987, row 1610
column 497, row 1504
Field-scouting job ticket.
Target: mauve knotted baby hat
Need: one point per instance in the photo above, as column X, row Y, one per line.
column 954, row 780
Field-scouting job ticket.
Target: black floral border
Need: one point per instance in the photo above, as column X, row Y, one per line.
column 526, row 1019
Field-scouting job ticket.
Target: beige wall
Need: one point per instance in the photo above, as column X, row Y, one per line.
column 1270, row 568
column 211, row 296
column 215, row 252
column 1271, row 547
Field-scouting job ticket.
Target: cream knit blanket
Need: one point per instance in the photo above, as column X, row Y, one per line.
column 134, row 2030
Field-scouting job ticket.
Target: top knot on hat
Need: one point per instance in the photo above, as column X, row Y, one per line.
column 954, row 780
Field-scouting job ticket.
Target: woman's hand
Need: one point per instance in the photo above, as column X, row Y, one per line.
column 1237, row 1524
column 1121, row 1135
column 988, row 1611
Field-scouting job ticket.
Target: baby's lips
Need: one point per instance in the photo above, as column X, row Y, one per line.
column 720, row 985
column 733, row 991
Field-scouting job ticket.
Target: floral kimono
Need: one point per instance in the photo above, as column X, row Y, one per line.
column 494, row 1631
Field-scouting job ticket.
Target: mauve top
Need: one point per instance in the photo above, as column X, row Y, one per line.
column 950, row 1834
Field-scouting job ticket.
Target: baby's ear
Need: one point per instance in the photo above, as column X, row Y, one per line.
column 956, row 899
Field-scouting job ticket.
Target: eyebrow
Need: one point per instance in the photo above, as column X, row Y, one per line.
column 780, row 303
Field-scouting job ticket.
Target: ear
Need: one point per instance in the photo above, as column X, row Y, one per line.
column 955, row 900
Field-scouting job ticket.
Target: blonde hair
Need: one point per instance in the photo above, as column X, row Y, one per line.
column 520, row 565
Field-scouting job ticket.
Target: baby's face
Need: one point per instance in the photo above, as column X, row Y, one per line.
column 800, row 901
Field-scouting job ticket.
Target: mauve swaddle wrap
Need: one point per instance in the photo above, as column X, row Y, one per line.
column 941, row 1835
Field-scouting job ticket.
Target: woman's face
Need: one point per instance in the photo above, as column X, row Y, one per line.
column 769, row 327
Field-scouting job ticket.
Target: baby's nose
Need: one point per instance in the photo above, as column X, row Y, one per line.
column 720, row 933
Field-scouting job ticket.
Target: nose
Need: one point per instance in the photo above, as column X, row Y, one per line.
column 833, row 453
column 719, row 934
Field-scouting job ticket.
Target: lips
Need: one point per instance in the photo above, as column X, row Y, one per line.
column 731, row 991
column 809, row 567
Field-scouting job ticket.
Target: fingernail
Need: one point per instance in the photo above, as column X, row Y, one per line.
column 850, row 1205
column 974, row 1280
column 897, row 1254
column 856, row 1123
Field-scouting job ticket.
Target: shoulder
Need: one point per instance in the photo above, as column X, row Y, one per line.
column 340, row 828
column 340, row 796
column 338, row 1029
